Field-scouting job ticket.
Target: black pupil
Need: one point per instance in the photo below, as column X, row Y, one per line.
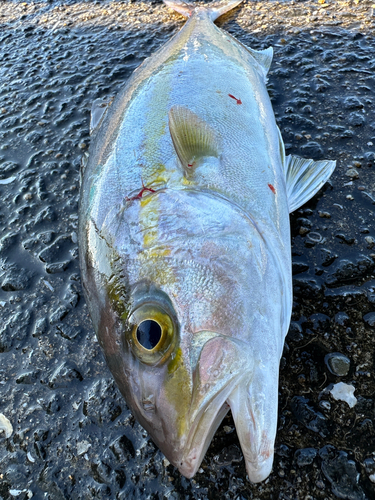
column 149, row 333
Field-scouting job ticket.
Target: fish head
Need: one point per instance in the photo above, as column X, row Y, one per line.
column 176, row 381
column 176, row 318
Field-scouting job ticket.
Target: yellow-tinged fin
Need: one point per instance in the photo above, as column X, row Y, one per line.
column 214, row 9
column 304, row 178
column 192, row 137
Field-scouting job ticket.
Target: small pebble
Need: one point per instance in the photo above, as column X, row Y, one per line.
column 356, row 120
column 82, row 447
column 305, row 456
column 326, row 405
column 344, row 392
column 341, row 318
column 337, row 364
column 324, row 215
column 369, row 319
column 5, row 426
column 370, row 241
column 352, row 173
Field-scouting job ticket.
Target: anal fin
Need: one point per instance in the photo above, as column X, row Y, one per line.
column 304, row 178
column 84, row 162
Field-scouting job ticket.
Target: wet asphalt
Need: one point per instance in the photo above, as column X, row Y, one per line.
column 73, row 436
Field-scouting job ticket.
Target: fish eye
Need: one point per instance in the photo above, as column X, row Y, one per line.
column 153, row 334
column 149, row 334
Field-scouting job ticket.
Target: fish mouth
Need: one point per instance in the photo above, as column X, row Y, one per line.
column 246, row 386
column 257, row 447
column 203, row 430
column 220, row 366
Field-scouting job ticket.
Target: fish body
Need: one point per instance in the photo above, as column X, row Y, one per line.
column 185, row 241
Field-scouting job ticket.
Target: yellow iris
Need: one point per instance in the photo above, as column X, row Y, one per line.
column 168, row 334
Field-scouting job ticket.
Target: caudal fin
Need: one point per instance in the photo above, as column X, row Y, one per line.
column 215, row 9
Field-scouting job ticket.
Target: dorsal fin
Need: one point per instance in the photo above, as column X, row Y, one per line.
column 192, row 137
column 263, row 57
column 304, row 178
column 83, row 165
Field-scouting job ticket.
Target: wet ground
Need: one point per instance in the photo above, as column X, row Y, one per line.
column 73, row 436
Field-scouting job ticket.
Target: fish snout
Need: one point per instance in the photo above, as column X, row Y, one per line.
column 220, row 360
column 229, row 374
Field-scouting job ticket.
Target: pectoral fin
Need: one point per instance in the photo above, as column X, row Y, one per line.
column 304, row 178
column 193, row 139
column 98, row 110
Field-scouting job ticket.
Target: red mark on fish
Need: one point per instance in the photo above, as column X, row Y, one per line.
column 272, row 188
column 238, row 101
column 140, row 194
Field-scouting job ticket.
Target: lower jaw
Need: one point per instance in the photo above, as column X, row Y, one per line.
column 191, row 462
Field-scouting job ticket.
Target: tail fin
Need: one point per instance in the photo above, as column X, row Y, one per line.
column 215, row 9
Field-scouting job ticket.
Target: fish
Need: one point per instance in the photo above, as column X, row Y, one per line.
column 184, row 240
